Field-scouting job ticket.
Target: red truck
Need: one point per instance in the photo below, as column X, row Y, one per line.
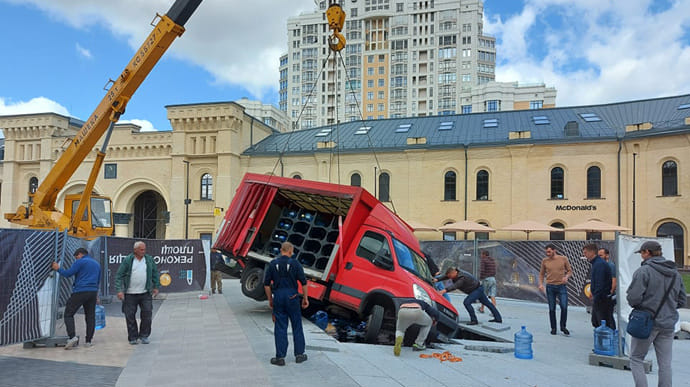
column 361, row 260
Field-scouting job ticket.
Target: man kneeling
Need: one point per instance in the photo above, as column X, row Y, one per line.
column 414, row 312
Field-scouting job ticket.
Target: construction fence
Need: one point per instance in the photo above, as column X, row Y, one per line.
column 33, row 296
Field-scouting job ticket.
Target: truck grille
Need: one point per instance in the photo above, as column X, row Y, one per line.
column 449, row 313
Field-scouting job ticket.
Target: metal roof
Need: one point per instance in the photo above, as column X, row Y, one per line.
column 594, row 123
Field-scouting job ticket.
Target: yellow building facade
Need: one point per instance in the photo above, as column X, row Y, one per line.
column 622, row 164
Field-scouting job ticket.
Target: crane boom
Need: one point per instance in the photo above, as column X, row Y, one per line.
column 41, row 211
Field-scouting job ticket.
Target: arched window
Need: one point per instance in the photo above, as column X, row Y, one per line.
column 482, row 235
column 557, row 179
column 593, row 183
column 384, row 187
column 449, row 235
column 669, row 179
column 356, row 180
column 675, row 231
column 33, row 184
column 482, row 185
column 206, row 187
column 297, row 176
column 557, row 235
column 449, row 186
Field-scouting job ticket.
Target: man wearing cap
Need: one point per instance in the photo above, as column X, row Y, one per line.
column 648, row 290
column 87, row 276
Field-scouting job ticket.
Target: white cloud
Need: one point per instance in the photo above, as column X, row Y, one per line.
column 83, row 51
column 596, row 51
column 35, row 105
column 146, row 126
column 238, row 42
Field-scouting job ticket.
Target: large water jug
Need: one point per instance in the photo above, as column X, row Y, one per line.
column 615, row 343
column 523, row 344
column 603, row 340
column 321, row 319
column 100, row 317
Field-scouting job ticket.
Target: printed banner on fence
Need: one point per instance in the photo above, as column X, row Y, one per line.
column 517, row 264
column 181, row 263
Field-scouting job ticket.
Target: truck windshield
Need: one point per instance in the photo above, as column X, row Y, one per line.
column 411, row 261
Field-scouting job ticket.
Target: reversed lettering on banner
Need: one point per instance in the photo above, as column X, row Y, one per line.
column 181, row 263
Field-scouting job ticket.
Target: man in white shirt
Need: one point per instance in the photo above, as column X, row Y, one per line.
column 137, row 282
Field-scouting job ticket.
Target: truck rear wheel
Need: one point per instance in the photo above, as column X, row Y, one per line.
column 253, row 283
column 374, row 322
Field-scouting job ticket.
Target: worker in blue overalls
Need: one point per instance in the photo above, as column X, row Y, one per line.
column 280, row 284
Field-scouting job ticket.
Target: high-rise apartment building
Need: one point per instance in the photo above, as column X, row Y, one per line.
column 402, row 58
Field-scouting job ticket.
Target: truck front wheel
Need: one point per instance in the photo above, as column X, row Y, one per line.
column 253, row 283
column 374, row 322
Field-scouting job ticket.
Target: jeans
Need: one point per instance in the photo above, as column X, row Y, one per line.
column 76, row 300
column 663, row 346
column 145, row 302
column 478, row 294
column 560, row 292
column 286, row 305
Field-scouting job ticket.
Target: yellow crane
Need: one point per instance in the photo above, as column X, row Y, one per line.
column 96, row 210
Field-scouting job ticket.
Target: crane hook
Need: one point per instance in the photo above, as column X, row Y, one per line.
column 336, row 19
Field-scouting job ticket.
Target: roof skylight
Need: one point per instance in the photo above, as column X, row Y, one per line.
column 590, row 117
column 491, row 123
column 541, row 120
column 403, row 128
column 363, row 130
column 446, row 125
column 323, row 132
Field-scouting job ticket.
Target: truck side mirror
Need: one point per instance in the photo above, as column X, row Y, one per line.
column 383, row 260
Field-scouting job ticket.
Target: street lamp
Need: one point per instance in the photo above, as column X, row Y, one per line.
column 633, row 194
column 187, row 201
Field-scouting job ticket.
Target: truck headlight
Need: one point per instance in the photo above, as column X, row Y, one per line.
column 421, row 294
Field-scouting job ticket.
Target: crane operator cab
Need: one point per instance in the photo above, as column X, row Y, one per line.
column 97, row 216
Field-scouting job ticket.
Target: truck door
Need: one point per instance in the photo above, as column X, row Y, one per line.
column 365, row 267
column 245, row 215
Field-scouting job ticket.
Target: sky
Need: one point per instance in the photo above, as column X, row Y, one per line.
column 57, row 55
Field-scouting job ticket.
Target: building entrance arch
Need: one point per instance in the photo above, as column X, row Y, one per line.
column 150, row 216
column 674, row 230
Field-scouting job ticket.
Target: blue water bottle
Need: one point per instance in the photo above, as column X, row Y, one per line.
column 100, row 317
column 523, row 344
column 615, row 343
column 321, row 319
column 603, row 340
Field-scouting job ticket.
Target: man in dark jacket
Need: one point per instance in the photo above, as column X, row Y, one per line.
column 216, row 275
column 466, row 282
column 87, row 277
column 280, row 285
column 646, row 291
column 600, row 285
column 137, row 282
